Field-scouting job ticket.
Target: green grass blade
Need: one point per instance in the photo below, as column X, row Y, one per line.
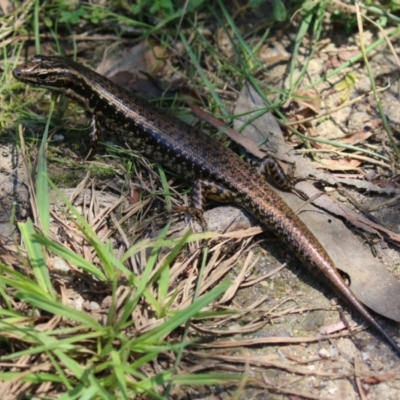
column 165, row 186
column 143, row 282
column 36, row 257
column 79, row 392
column 42, row 186
column 100, row 391
column 36, row 26
column 61, row 374
column 200, row 71
column 107, row 258
column 181, row 316
column 206, row 379
column 47, row 341
column 164, row 273
column 303, row 29
column 279, row 10
column 119, row 376
column 21, row 282
column 73, row 367
column 57, row 308
column 70, row 256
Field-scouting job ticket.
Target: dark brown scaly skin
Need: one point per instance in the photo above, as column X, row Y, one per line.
column 217, row 171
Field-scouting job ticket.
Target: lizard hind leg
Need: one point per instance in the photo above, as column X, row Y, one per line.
column 204, row 189
column 270, row 167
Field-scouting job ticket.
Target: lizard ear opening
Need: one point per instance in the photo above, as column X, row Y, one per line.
column 17, row 73
column 43, row 77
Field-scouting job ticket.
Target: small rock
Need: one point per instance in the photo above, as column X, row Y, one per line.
column 363, row 85
column 58, row 137
column 78, row 303
column 60, row 265
column 93, row 306
column 324, row 353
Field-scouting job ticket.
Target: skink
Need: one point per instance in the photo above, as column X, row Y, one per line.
column 217, row 172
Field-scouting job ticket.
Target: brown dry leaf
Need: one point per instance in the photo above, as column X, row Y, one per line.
column 356, row 137
column 343, row 164
column 312, row 132
column 377, row 378
column 308, row 99
column 142, row 57
column 273, row 54
column 352, row 139
column 246, row 143
column 332, row 328
column 135, row 195
column 303, row 105
column 154, row 59
column 139, row 68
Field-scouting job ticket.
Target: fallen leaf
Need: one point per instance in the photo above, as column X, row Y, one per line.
column 342, row 164
column 308, row 99
column 356, row 137
column 332, row 328
column 246, row 143
column 378, row 378
column 142, row 57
